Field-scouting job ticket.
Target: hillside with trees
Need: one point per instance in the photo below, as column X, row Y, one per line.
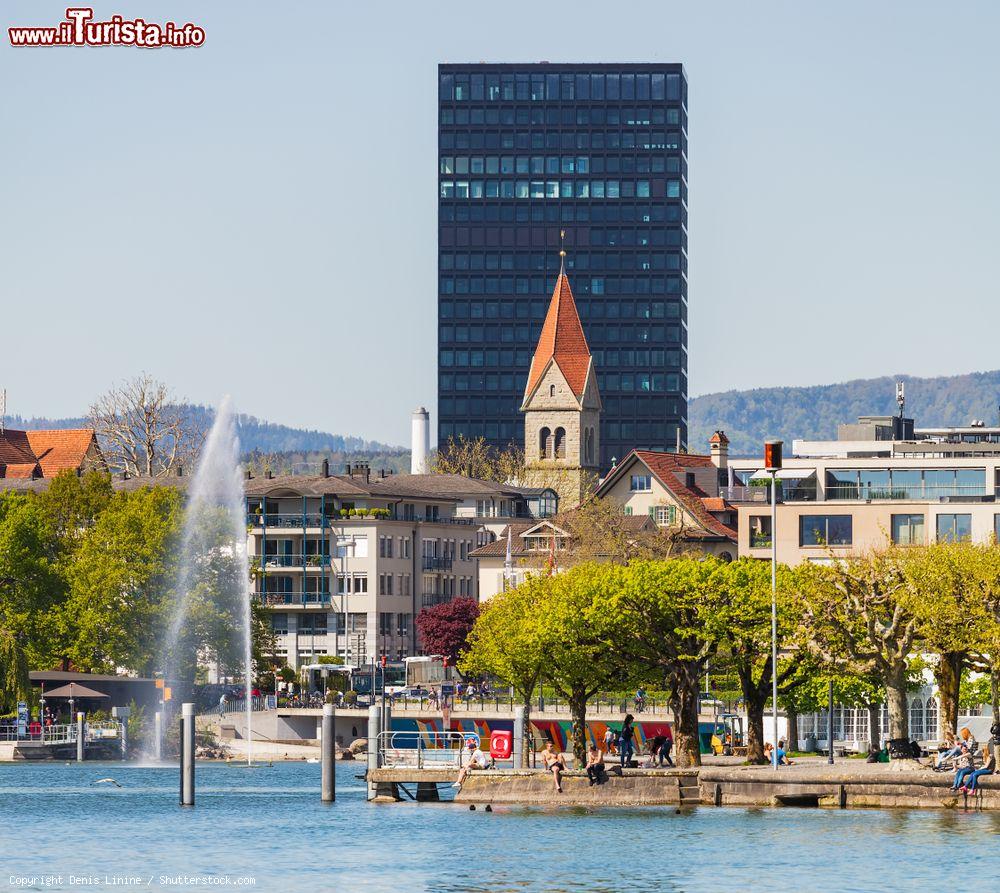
column 750, row 417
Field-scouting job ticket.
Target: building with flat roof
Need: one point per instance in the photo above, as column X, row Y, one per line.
column 598, row 151
column 882, row 481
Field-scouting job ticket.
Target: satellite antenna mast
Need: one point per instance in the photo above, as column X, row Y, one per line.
column 3, row 410
column 900, row 396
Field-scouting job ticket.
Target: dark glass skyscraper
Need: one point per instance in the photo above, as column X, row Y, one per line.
column 598, row 152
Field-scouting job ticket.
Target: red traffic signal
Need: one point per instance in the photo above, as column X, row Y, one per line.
column 445, row 662
column 383, row 660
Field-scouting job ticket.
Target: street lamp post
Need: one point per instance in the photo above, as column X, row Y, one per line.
column 772, row 462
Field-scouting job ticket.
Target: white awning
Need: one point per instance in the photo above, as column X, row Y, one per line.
column 785, row 474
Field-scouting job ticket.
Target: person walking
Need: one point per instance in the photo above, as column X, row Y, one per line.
column 665, row 748
column 609, row 740
column 625, row 743
column 222, row 705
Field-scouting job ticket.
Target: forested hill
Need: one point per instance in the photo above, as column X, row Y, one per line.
column 751, row 417
column 256, row 435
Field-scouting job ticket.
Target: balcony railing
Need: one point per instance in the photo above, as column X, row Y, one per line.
column 428, row 599
column 293, row 598
column 927, row 491
column 288, row 521
column 436, row 563
column 293, row 561
column 760, row 540
column 763, row 494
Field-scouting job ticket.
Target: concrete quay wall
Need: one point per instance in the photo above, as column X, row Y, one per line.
column 840, row 787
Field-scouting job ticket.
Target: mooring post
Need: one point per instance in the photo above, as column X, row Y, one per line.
column 387, row 719
column 158, row 735
column 519, row 738
column 328, row 745
column 187, row 755
column 374, row 728
column 79, row 737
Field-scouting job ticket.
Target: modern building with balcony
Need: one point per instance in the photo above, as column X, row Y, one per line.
column 598, row 151
column 882, row 481
column 346, row 562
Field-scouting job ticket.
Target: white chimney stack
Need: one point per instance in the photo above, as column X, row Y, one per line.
column 420, row 441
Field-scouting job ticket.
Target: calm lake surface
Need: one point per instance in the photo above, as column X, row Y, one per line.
column 268, row 824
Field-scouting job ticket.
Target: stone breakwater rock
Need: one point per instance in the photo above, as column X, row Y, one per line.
column 211, row 752
column 345, row 755
column 359, row 745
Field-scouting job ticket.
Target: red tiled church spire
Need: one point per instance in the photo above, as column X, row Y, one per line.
column 562, row 338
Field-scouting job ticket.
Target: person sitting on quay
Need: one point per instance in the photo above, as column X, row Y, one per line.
column 477, row 760
column 595, row 765
column 782, row 756
column 554, row 763
column 988, row 768
column 964, row 766
column 953, row 746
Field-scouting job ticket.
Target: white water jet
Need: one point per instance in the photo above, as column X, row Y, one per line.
column 214, row 564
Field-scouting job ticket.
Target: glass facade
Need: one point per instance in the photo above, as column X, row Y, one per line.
column 598, row 152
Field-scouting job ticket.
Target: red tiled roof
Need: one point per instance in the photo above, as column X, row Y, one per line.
column 717, row 504
column 27, row 454
column 562, row 340
column 60, row 449
column 666, row 467
column 14, row 448
column 718, row 437
column 21, row 470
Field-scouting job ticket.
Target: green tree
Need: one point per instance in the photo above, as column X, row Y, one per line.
column 120, row 582
column 952, row 618
column 581, row 637
column 507, row 642
column 34, row 587
column 858, row 618
column 744, row 616
column 14, row 682
column 671, row 628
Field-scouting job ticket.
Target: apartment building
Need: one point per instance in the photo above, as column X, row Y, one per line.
column 346, row 562
column 882, row 481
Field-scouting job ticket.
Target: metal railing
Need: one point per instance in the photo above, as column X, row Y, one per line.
column 763, row 494
column 292, row 561
column 424, row 750
column 64, row 733
column 434, row 598
column 930, row 491
column 437, row 563
column 297, row 520
column 257, row 703
column 293, row 598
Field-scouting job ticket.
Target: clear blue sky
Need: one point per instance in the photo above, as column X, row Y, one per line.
column 257, row 216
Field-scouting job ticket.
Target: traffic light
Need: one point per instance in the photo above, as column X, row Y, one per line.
column 383, row 661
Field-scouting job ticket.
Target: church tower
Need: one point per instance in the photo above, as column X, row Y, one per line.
column 562, row 406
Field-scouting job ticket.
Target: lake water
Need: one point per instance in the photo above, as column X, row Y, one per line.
column 269, row 825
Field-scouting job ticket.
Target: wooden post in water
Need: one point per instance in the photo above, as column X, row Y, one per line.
column 187, row 755
column 79, row 737
column 328, row 744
